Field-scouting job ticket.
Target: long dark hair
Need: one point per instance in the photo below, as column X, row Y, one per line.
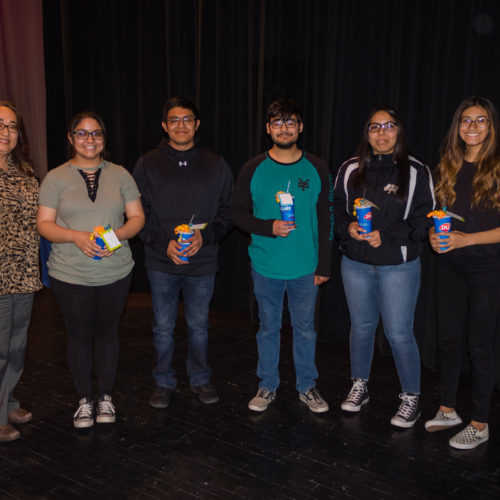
column 399, row 155
column 74, row 123
column 21, row 153
column 486, row 181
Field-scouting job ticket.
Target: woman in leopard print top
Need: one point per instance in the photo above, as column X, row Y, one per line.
column 19, row 271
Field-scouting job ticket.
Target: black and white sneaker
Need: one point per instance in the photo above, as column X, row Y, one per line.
column 469, row 438
column 408, row 411
column 106, row 413
column 357, row 397
column 84, row 416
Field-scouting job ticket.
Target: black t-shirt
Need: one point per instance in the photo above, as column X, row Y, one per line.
column 476, row 219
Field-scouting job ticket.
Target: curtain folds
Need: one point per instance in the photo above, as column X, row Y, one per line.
column 22, row 74
column 339, row 58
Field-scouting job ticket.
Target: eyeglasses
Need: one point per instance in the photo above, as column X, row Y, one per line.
column 13, row 128
column 389, row 127
column 83, row 134
column 175, row 120
column 290, row 123
column 480, row 121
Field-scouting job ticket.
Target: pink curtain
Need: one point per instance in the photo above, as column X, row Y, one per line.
column 22, row 75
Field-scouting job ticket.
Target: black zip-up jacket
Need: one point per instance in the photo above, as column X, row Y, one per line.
column 403, row 225
column 174, row 186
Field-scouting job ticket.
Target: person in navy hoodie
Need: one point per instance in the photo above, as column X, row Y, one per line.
column 182, row 182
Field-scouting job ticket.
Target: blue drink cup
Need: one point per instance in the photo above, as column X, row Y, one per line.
column 442, row 225
column 101, row 243
column 183, row 240
column 287, row 212
column 364, row 215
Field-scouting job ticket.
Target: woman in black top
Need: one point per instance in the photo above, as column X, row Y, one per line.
column 468, row 272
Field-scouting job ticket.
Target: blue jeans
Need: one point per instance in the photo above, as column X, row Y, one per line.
column 197, row 292
column 389, row 291
column 301, row 294
column 15, row 315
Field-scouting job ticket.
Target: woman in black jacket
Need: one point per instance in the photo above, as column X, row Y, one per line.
column 381, row 268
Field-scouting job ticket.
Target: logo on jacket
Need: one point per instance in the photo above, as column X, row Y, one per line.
column 391, row 188
column 183, row 164
column 303, row 184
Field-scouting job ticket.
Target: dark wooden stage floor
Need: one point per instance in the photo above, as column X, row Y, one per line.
column 225, row 451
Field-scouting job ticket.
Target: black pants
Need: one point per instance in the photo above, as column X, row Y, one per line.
column 92, row 313
column 467, row 293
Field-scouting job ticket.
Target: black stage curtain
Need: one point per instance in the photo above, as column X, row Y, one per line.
column 339, row 58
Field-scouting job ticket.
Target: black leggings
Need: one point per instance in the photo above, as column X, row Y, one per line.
column 92, row 312
column 466, row 296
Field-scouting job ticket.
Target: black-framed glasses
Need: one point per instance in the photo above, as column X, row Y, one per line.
column 83, row 134
column 290, row 123
column 175, row 120
column 480, row 121
column 13, row 128
column 375, row 127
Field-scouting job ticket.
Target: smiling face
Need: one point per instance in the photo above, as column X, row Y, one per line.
column 474, row 127
column 383, row 140
column 284, row 132
column 181, row 126
column 8, row 138
column 88, row 150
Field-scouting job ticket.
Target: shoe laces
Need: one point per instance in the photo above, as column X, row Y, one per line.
column 313, row 393
column 85, row 410
column 105, row 405
column 265, row 394
column 357, row 391
column 408, row 405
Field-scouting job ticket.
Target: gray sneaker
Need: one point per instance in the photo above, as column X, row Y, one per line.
column 312, row 398
column 443, row 420
column 262, row 401
column 84, row 416
column 469, row 438
column 357, row 397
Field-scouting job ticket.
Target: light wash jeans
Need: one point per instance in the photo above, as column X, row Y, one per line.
column 389, row 291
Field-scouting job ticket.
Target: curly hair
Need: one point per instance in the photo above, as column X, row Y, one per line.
column 486, row 181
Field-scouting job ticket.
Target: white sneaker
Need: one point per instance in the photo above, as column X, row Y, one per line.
column 314, row 401
column 262, row 401
column 84, row 416
column 443, row 420
column 469, row 438
column 357, row 397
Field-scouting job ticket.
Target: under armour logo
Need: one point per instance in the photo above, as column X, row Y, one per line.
column 303, row 184
column 391, row 188
column 183, row 164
